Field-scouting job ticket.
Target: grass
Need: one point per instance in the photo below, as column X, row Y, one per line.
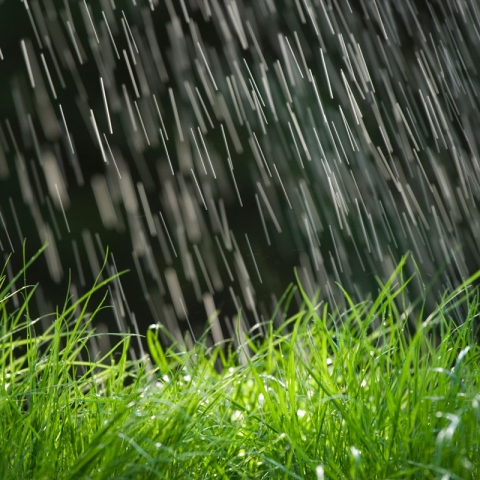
column 327, row 395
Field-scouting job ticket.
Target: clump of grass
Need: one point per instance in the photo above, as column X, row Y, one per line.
column 328, row 395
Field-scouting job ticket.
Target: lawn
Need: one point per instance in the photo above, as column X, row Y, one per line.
column 325, row 395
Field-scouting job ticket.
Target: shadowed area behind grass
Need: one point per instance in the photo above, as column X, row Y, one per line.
column 328, row 395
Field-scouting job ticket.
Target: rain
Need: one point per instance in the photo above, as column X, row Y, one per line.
column 218, row 146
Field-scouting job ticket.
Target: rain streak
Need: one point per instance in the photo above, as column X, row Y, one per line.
column 217, row 145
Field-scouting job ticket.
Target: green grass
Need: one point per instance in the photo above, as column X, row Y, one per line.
column 328, row 395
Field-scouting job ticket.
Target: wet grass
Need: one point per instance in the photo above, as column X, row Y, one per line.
column 329, row 394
